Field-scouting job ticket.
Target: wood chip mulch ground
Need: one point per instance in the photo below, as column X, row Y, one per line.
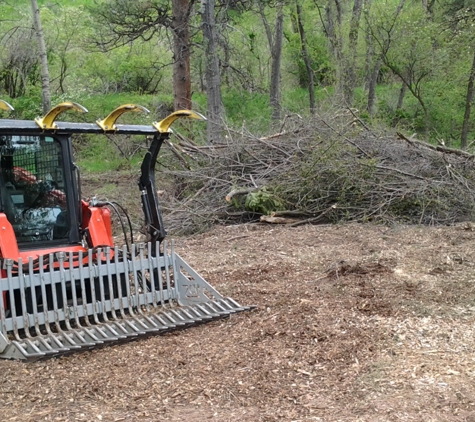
column 353, row 323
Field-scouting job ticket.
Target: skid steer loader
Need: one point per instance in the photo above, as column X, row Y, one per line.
column 64, row 285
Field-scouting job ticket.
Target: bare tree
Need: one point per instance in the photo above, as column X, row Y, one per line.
column 349, row 74
column 181, row 54
column 342, row 49
column 305, row 57
column 121, row 22
column 43, row 56
column 18, row 61
column 275, row 43
column 212, row 76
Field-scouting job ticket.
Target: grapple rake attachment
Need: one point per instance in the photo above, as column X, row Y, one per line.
column 64, row 302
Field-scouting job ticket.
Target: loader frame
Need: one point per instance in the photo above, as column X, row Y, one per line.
column 85, row 292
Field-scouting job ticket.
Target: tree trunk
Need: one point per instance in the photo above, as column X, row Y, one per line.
column 350, row 62
column 369, row 48
column 333, row 32
column 276, row 52
column 181, row 55
column 402, row 94
column 212, row 76
column 45, row 90
column 372, row 86
column 306, row 59
column 468, row 106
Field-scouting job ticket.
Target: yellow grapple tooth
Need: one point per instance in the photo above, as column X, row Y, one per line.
column 164, row 125
column 108, row 124
column 5, row 106
column 47, row 121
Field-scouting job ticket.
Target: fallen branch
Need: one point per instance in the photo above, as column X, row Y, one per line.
column 439, row 148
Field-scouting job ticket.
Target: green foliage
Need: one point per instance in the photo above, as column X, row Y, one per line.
column 431, row 53
column 253, row 110
column 264, row 201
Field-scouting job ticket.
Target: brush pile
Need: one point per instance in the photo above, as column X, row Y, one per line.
column 332, row 168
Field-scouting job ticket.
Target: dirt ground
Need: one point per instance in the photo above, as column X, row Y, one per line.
column 353, row 323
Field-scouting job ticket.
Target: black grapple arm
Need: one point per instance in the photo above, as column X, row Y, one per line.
column 149, row 198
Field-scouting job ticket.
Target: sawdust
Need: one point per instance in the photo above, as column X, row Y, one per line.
column 354, row 323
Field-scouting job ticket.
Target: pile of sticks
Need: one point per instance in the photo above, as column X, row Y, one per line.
column 327, row 169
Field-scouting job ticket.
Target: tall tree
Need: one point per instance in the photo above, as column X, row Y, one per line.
column 181, row 54
column 349, row 73
column 343, row 49
column 461, row 18
column 275, row 41
column 43, row 56
column 121, row 22
column 213, row 79
column 305, row 56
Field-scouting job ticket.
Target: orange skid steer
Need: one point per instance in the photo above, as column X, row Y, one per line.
column 64, row 285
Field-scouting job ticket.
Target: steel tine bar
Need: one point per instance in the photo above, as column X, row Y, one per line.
column 139, row 261
column 34, row 299
column 53, row 293
column 119, row 324
column 3, row 314
column 46, row 305
column 187, row 316
column 91, row 332
column 152, row 325
column 130, row 322
column 91, row 266
column 73, row 290
column 160, row 275
column 171, row 258
column 78, row 333
column 45, row 343
column 24, row 309
column 213, row 309
column 32, row 345
column 171, row 294
column 9, row 264
column 24, row 352
column 83, row 288
column 101, row 280
column 137, row 283
column 233, row 302
column 141, row 271
column 113, row 325
column 60, row 257
column 101, row 285
column 230, row 305
column 106, row 337
column 171, row 319
column 151, row 270
column 44, row 295
column 217, row 305
column 200, row 307
column 177, row 314
column 110, row 283
column 134, row 302
column 60, row 345
column 194, row 310
column 159, row 317
column 130, row 294
column 68, row 336
column 119, row 281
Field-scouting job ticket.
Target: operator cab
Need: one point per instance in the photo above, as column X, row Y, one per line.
column 34, row 190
